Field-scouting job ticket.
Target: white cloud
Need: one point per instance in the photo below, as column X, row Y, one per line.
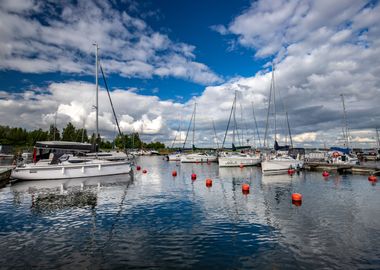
column 322, row 50
column 38, row 37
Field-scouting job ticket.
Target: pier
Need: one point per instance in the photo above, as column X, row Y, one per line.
column 343, row 168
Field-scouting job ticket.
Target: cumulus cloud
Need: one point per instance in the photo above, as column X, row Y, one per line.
column 321, row 50
column 39, row 36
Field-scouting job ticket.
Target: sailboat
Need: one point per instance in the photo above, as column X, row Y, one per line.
column 199, row 157
column 65, row 160
column 177, row 155
column 236, row 159
column 343, row 155
column 280, row 162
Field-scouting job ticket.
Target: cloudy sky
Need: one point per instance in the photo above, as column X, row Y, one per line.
column 162, row 56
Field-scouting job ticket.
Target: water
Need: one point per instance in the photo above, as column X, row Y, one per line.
column 156, row 221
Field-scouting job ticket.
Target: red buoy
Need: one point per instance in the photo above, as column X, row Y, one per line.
column 193, row 176
column 372, row 178
column 145, row 171
column 325, row 174
column 297, row 203
column 138, row 168
column 208, row 182
column 296, row 197
column 245, row 187
column 241, row 166
column 174, row 173
column 291, row 171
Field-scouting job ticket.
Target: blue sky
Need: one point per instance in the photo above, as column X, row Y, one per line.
column 177, row 21
column 162, row 56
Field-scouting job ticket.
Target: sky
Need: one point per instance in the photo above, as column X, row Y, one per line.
column 161, row 56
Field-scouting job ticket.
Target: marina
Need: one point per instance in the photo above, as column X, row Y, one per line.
column 189, row 135
column 119, row 221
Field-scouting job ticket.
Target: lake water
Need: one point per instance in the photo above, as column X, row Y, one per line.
column 156, row 221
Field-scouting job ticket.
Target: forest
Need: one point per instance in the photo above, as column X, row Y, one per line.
column 16, row 136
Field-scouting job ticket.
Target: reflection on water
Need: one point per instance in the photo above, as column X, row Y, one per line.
column 159, row 221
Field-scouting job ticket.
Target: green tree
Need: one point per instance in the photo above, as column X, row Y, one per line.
column 54, row 134
column 69, row 133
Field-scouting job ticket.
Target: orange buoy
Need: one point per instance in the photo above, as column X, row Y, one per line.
column 241, row 166
column 138, row 168
column 245, row 192
column 145, row 171
column 245, row 187
column 291, row 171
column 296, row 197
column 372, row 178
column 297, row 203
column 325, row 174
column 193, row 176
column 208, row 182
column 174, row 173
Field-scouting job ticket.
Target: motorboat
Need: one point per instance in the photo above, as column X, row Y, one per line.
column 64, row 160
column 174, row 157
column 61, row 160
column 280, row 164
column 239, row 159
column 198, row 158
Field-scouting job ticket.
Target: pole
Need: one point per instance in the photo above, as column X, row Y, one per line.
column 345, row 132
column 97, row 95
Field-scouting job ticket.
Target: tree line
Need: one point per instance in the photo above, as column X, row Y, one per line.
column 17, row 136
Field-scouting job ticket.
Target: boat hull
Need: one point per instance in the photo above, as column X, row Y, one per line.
column 279, row 166
column 198, row 158
column 238, row 161
column 174, row 157
column 66, row 171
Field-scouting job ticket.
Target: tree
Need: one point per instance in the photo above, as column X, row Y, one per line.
column 54, row 134
column 69, row 133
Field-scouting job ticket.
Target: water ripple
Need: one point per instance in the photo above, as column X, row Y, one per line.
column 157, row 221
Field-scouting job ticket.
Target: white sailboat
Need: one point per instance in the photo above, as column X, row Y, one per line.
column 72, row 160
column 177, row 155
column 279, row 162
column 196, row 157
column 236, row 159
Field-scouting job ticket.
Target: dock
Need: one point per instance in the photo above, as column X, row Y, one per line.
column 343, row 168
column 5, row 173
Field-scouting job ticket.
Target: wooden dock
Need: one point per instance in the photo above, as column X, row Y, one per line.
column 5, row 173
column 342, row 168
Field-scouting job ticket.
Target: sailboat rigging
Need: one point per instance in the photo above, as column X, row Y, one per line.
column 70, row 159
column 280, row 162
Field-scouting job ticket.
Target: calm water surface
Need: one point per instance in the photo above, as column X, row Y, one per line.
column 156, row 221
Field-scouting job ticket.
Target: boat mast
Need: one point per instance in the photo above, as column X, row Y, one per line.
column 274, row 104
column 97, row 94
column 234, row 115
column 216, row 137
column 290, row 134
column 257, row 129
column 229, row 120
column 345, row 130
column 55, row 124
column 188, row 130
column 268, row 112
column 195, row 108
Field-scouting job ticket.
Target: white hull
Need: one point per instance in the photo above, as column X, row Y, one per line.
column 65, row 170
column 278, row 166
column 195, row 158
column 174, row 157
column 236, row 161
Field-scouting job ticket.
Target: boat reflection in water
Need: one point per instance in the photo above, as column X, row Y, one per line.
column 50, row 195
